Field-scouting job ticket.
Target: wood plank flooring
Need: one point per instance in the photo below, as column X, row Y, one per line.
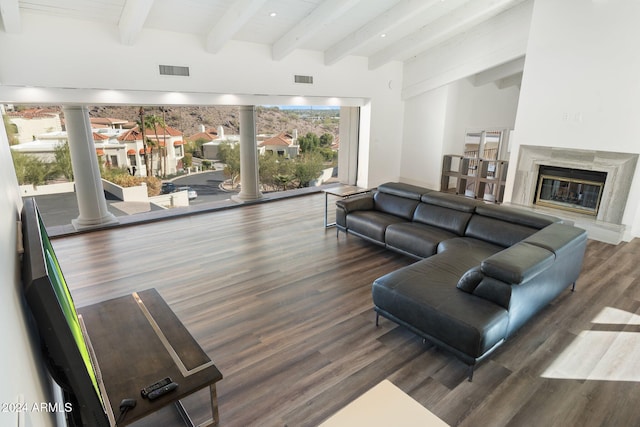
column 284, row 309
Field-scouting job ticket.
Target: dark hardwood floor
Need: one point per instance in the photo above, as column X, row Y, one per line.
column 284, row 309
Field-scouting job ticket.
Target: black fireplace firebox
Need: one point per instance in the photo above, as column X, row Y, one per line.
column 575, row 190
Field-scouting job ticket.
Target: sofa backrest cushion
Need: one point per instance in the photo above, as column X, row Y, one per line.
column 516, row 216
column 505, row 226
column 401, row 189
column 445, row 218
column 451, row 201
column 498, row 232
column 395, row 205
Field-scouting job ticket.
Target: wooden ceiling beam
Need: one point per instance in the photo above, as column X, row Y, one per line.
column 325, row 13
column 461, row 19
column 134, row 14
column 233, row 20
column 10, row 11
column 383, row 23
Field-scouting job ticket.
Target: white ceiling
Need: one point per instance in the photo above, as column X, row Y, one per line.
column 382, row 30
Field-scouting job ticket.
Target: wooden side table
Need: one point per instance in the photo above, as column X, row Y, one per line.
column 137, row 340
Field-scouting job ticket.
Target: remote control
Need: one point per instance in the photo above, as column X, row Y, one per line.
column 155, row 386
column 162, row 390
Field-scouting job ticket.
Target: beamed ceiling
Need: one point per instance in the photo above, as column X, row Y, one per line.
column 380, row 30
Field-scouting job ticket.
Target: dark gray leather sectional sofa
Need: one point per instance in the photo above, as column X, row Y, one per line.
column 484, row 269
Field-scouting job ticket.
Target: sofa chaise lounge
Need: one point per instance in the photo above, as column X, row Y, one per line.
column 484, row 270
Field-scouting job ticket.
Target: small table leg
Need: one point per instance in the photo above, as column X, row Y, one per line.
column 326, row 208
column 215, row 417
column 214, row 405
column 326, row 212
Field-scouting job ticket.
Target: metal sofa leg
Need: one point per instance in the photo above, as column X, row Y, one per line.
column 470, row 373
column 377, row 318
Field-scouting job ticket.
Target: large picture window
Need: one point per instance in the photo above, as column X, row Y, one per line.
column 197, row 148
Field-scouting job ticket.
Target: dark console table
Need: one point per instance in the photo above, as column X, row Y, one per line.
column 137, row 340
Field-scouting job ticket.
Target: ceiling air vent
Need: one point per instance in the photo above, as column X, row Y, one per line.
column 303, row 79
column 174, row 70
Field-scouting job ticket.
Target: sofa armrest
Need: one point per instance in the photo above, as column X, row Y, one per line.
column 518, row 263
column 361, row 202
column 470, row 280
column 558, row 238
column 496, row 276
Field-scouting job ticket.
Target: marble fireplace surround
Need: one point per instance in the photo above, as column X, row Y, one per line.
column 620, row 168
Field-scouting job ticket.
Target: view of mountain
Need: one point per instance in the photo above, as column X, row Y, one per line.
column 269, row 119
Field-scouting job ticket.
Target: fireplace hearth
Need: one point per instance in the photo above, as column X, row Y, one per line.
column 575, row 190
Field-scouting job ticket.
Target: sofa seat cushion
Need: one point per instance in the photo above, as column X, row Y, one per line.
column 425, row 296
column 371, row 224
column 417, row 239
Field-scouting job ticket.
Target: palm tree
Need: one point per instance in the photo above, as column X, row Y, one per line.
column 153, row 122
column 144, row 141
column 164, row 140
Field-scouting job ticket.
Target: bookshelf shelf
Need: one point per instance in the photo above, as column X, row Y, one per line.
column 472, row 177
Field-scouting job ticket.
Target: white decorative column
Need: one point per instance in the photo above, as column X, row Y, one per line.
column 89, row 191
column 248, row 155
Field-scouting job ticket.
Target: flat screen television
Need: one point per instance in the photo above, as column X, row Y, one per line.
column 63, row 344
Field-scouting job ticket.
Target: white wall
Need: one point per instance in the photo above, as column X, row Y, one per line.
column 424, row 129
column 436, row 122
column 580, row 87
column 29, row 129
column 473, row 108
column 381, row 123
column 21, row 372
column 242, row 73
column 441, row 103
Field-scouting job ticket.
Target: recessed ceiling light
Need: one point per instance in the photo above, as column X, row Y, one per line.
column 383, row 35
column 272, row 14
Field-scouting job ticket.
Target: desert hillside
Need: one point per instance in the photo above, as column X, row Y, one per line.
column 269, row 120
